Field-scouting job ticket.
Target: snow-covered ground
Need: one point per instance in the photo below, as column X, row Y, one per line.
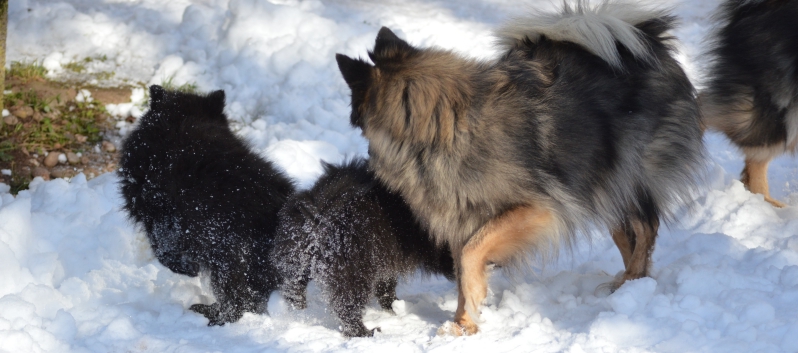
column 75, row 275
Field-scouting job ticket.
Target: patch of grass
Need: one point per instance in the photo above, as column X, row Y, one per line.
column 6, row 147
column 100, row 58
column 19, row 183
column 77, row 118
column 82, row 65
column 28, row 98
column 26, row 70
column 75, row 67
column 188, row 87
column 104, row 75
column 48, row 129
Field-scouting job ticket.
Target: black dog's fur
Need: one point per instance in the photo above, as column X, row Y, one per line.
column 354, row 237
column 752, row 88
column 206, row 202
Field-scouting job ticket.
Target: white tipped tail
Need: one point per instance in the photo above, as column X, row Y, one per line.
column 597, row 28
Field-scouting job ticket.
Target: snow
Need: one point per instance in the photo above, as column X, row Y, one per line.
column 78, row 277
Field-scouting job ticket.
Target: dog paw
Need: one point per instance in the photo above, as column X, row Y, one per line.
column 215, row 315
column 297, row 304
column 605, row 289
column 775, row 203
column 350, row 332
column 450, row 328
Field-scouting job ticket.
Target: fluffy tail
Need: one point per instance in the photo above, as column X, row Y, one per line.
column 596, row 28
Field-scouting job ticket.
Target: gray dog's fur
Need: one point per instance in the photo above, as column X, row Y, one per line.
column 563, row 131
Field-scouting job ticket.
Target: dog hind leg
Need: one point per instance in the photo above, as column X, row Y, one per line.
column 755, row 178
column 635, row 239
column 295, row 288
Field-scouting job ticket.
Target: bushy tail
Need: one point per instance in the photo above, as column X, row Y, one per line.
column 597, row 28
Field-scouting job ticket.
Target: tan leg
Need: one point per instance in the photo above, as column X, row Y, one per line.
column 624, row 244
column 635, row 239
column 640, row 261
column 755, row 179
column 501, row 239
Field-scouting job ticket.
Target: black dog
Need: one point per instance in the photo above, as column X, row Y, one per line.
column 206, row 202
column 355, row 238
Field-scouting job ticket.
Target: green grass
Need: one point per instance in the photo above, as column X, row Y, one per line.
column 19, row 183
column 188, row 87
column 53, row 130
column 26, row 70
column 6, row 147
column 29, row 98
column 104, row 75
column 75, row 67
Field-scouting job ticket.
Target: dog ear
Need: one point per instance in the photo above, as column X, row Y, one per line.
column 156, row 95
column 388, row 47
column 216, row 102
column 356, row 72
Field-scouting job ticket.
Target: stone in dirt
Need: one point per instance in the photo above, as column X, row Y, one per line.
column 10, row 120
column 22, row 112
column 51, row 160
column 62, row 173
column 108, row 146
column 72, row 158
column 41, row 172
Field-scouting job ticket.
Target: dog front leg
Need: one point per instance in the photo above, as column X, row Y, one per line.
column 502, row 239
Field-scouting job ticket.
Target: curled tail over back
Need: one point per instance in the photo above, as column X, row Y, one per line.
column 597, row 28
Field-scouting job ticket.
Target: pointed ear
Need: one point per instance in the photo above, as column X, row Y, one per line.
column 356, row 72
column 156, row 95
column 388, row 46
column 216, row 102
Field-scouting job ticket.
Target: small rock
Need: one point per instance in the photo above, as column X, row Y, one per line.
column 51, row 160
column 33, row 162
column 80, row 138
column 62, row 173
column 25, row 151
column 10, row 120
column 91, row 173
column 41, row 172
column 72, row 158
column 38, row 117
column 84, row 160
column 57, row 145
column 108, row 146
column 62, row 158
column 22, row 112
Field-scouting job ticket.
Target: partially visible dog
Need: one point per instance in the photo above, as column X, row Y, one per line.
column 206, row 202
column 752, row 88
column 354, row 238
column 586, row 119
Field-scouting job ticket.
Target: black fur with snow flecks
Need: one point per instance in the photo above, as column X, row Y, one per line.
column 207, row 203
column 355, row 238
